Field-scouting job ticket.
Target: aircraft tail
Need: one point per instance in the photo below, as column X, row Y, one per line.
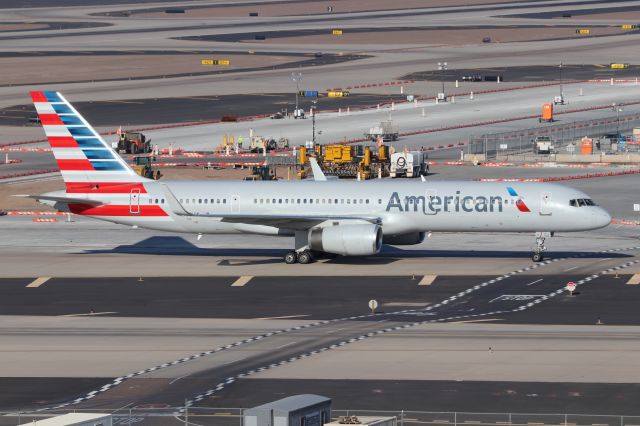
column 85, row 160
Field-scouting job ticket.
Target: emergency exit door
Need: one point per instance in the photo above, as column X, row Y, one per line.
column 134, row 201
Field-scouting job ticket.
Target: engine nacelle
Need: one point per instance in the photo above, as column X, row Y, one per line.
column 404, row 239
column 347, row 240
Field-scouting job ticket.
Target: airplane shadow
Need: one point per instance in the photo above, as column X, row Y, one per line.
column 178, row 246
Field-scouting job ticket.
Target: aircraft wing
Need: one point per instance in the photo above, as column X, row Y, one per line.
column 288, row 221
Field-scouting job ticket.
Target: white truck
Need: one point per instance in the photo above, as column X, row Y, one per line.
column 386, row 129
column 543, row 145
column 410, row 164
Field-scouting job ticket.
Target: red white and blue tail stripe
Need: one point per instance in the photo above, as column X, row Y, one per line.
column 82, row 155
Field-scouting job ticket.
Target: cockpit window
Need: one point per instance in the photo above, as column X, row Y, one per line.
column 582, row 202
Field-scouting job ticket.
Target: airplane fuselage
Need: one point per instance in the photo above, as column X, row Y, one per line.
column 403, row 206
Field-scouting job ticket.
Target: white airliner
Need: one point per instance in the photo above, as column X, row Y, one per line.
column 349, row 218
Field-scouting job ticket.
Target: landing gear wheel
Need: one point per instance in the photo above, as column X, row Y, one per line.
column 305, row 257
column 290, row 258
column 537, row 257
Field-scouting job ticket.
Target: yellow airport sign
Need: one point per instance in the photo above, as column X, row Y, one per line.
column 215, row 62
column 583, row 31
column 336, row 32
column 337, row 94
column 629, row 26
column 619, row 66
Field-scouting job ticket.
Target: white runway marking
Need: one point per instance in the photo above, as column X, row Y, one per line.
column 536, row 281
column 242, row 281
column 570, row 269
column 176, row 379
column 286, row 344
column 38, row 282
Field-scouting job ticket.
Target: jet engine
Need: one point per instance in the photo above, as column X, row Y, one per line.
column 347, row 240
column 404, row 239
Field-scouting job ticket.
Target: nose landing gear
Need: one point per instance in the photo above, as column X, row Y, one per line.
column 538, row 252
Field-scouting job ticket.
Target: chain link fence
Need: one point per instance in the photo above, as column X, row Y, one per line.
column 205, row 416
column 563, row 135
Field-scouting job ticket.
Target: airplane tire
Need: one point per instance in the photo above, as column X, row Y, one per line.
column 537, row 257
column 305, row 257
column 290, row 258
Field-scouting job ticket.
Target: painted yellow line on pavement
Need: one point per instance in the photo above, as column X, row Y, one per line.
column 634, row 280
column 427, row 280
column 242, row 281
column 38, row 282
column 283, row 317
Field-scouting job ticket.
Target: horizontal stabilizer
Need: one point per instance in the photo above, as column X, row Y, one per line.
column 61, row 199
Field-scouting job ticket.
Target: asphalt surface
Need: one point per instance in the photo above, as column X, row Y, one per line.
column 213, row 297
column 531, row 73
column 607, row 298
column 16, row 392
column 492, row 300
column 198, row 108
column 581, row 13
column 53, row 25
column 275, row 34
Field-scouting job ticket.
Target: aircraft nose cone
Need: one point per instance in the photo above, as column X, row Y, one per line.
column 603, row 218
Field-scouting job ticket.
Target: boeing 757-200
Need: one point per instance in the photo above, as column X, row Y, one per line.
column 349, row 218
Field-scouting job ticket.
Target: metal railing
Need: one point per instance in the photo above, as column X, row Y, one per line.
column 205, row 416
column 521, row 141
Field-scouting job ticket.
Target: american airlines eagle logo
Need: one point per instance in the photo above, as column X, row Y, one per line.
column 520, row 204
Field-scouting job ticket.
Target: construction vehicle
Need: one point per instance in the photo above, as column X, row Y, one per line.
column 547, row 113
column 258, row 143
column 134, row 143
column 261, row 173
column 386, row 129
column 142, row 165
column 352, row 161
column 409, row 163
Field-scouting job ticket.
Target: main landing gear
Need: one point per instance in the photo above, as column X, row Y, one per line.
column 304, row 257
column 538, row 252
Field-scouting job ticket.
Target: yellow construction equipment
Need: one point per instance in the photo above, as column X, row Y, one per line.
column 142, row 165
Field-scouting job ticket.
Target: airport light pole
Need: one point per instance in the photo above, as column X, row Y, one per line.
column 313, row 120
column 442, row 67
column 297, row 78
column 560, row 70
column 618, row 109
